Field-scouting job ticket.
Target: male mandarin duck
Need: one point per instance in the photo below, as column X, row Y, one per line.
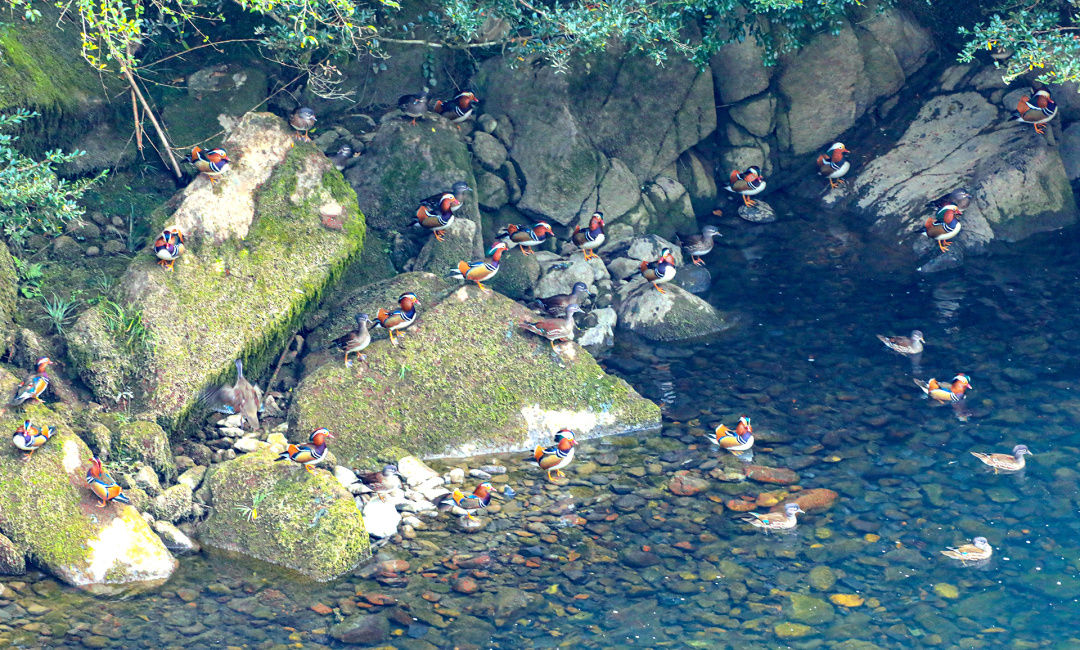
column 342, row 157
column 414, row 106
column 591, row 239
column 555, row 458
column 212, row 162
column 399, row 319
column 436, row 212
column 102, row 484
column 355, row 340
column 478, row 500
column 906, row 345
column 747, row 183
column 556, row 305
column 459, row 108
column 483, row 270
column 832, row 165
column 555, row 329
column 699, row 246
column 242, row 397
column 29, row 438
column 660, row 271
column 1037, row 110
column 979, row 550
column 308, row 454
column 959, row 197
column 944, row 225
column 742, row 439
column 34, row 385
column 168, row 246
column 302, row 120
column 1006, row 462
column 774, row 520
column 525, row 237
column 953, row 393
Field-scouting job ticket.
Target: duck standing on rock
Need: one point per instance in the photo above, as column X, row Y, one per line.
column 747, row 183
column 945, row 395
column 1037, row 110
column 944, row 226
column 555, row 458
column 773, row 520
column 739, row 440
column 382, row 481
column 525, row 237
column 211, row 162
column 478, row 500
column 978, row 551
column 308, row 454
column 660, row 271
column 959, row 197
column 555, row 329
column 355, row 341
column 480, row 271
column 168, row 246
column 102, row 484
column 34, row 385
column 458, row 109
column 342, row 157
column 436, row 212
column 394, row 322
column 242, row 397
column 302, row 120
column 556, row 305
column 699, row 246
column 832, row 165
column 414, row 106
column 1005, row 462
column 30, row 438
column 591, row 239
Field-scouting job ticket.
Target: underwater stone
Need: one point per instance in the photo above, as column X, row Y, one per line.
column 811, row 610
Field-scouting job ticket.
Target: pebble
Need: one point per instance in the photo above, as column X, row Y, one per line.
column 685, row 485
column 465, row 585
column 479, row 474
column 946, row 590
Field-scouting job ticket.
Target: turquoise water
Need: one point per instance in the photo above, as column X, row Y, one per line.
column 568, row 566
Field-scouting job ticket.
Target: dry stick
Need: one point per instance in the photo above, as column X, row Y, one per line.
column 153, row 120
column 138, row 124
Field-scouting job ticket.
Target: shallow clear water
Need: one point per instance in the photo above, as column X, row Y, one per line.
column 568, row 564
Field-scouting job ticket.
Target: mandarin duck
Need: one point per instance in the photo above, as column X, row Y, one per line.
column 555, row 458
column 832, row 165
column 698, row 246
column 458, row 109
column 168, row 246
column 302, row 120
column 478, row 500
column 773, row 520
column 741, row 439
column 212, row 162
column 660, row 271
column 414, row 106
column 908, row 346
column 342, row 157
column 556, row 305
column 310, row 453
column 242, row 397
column 29, row 438
column 102, row 484
column 591, row 239
column 436, row 212
column 953, row 393
column 34, row 385
column 382, row 481
column 959, row 197
column 355, row 340
column 1037, row 110
column 480, row 271
column 555, row 329
column 979, row 550
column 525, row 237
column 944, row 225
column 1005, row 462
column 398, row 320
column 747, row 183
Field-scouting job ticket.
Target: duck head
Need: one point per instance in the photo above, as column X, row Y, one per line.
column 962, row 382
column 579, row 288
column 1042, row 98
column 743, row 427
column 497, row 248
column 667, row 256
column 916, row 335
column 542, row 228
column 482, row 489
column 710, row 231
column 1020, row 450
column 571, row 310
column 981, row 542
column 95, row 467
column 596, row 221
column 320, row 436
column 172, row 230
column 408, row 300
column 460, row 188
column 791, row 509
column 43, row 363
column 565, row 439
column 467, row 99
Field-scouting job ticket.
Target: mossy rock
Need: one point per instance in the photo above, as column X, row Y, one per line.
column 461, row 242
column 467, row 380
column 51, row 514
column 517, row 275
column 304, row 521
column 8, row 281
column 146, row 442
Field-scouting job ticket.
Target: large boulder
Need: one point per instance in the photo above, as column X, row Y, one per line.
column 53, row 519
column 302, row 521
column 240, row 297
column 467, row 380
column 674, row 315
column 738, row 68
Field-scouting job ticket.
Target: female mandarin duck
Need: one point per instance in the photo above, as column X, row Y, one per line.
column 699, row 246
column 483, row 270
column 355, row 341
column 1037, row 112
column 459, row 108
column 555, row 458
column 436, row 212
column 555, row 329
column 308, row 454
column 742, row 439
column 905, row 345
column 30, row 438
column 1006, row 462
column 979, row 550
column 959, row 197
column 773, row 520
column 944, row 225
column 747, row 183
column 168, row 246
column 478, row 500
column 342, row 157
column 102, row 484
column 212, row 162
column 660, row 271
column 953, row 393
column 832, row 165
column 591, row 239
column 414, row 106
column 34, row 385
column 525, row 237
column 399, row 319
column 556, row 305
column 382, row 481
column 302, row 120
column 242, row 397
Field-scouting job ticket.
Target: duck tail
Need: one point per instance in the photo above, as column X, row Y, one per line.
column 282, row 456
column 122, row 498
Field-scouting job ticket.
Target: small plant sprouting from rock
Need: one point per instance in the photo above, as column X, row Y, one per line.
column 126, row 327
column 59, row 311
column 252, row 512
column 31, row 274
